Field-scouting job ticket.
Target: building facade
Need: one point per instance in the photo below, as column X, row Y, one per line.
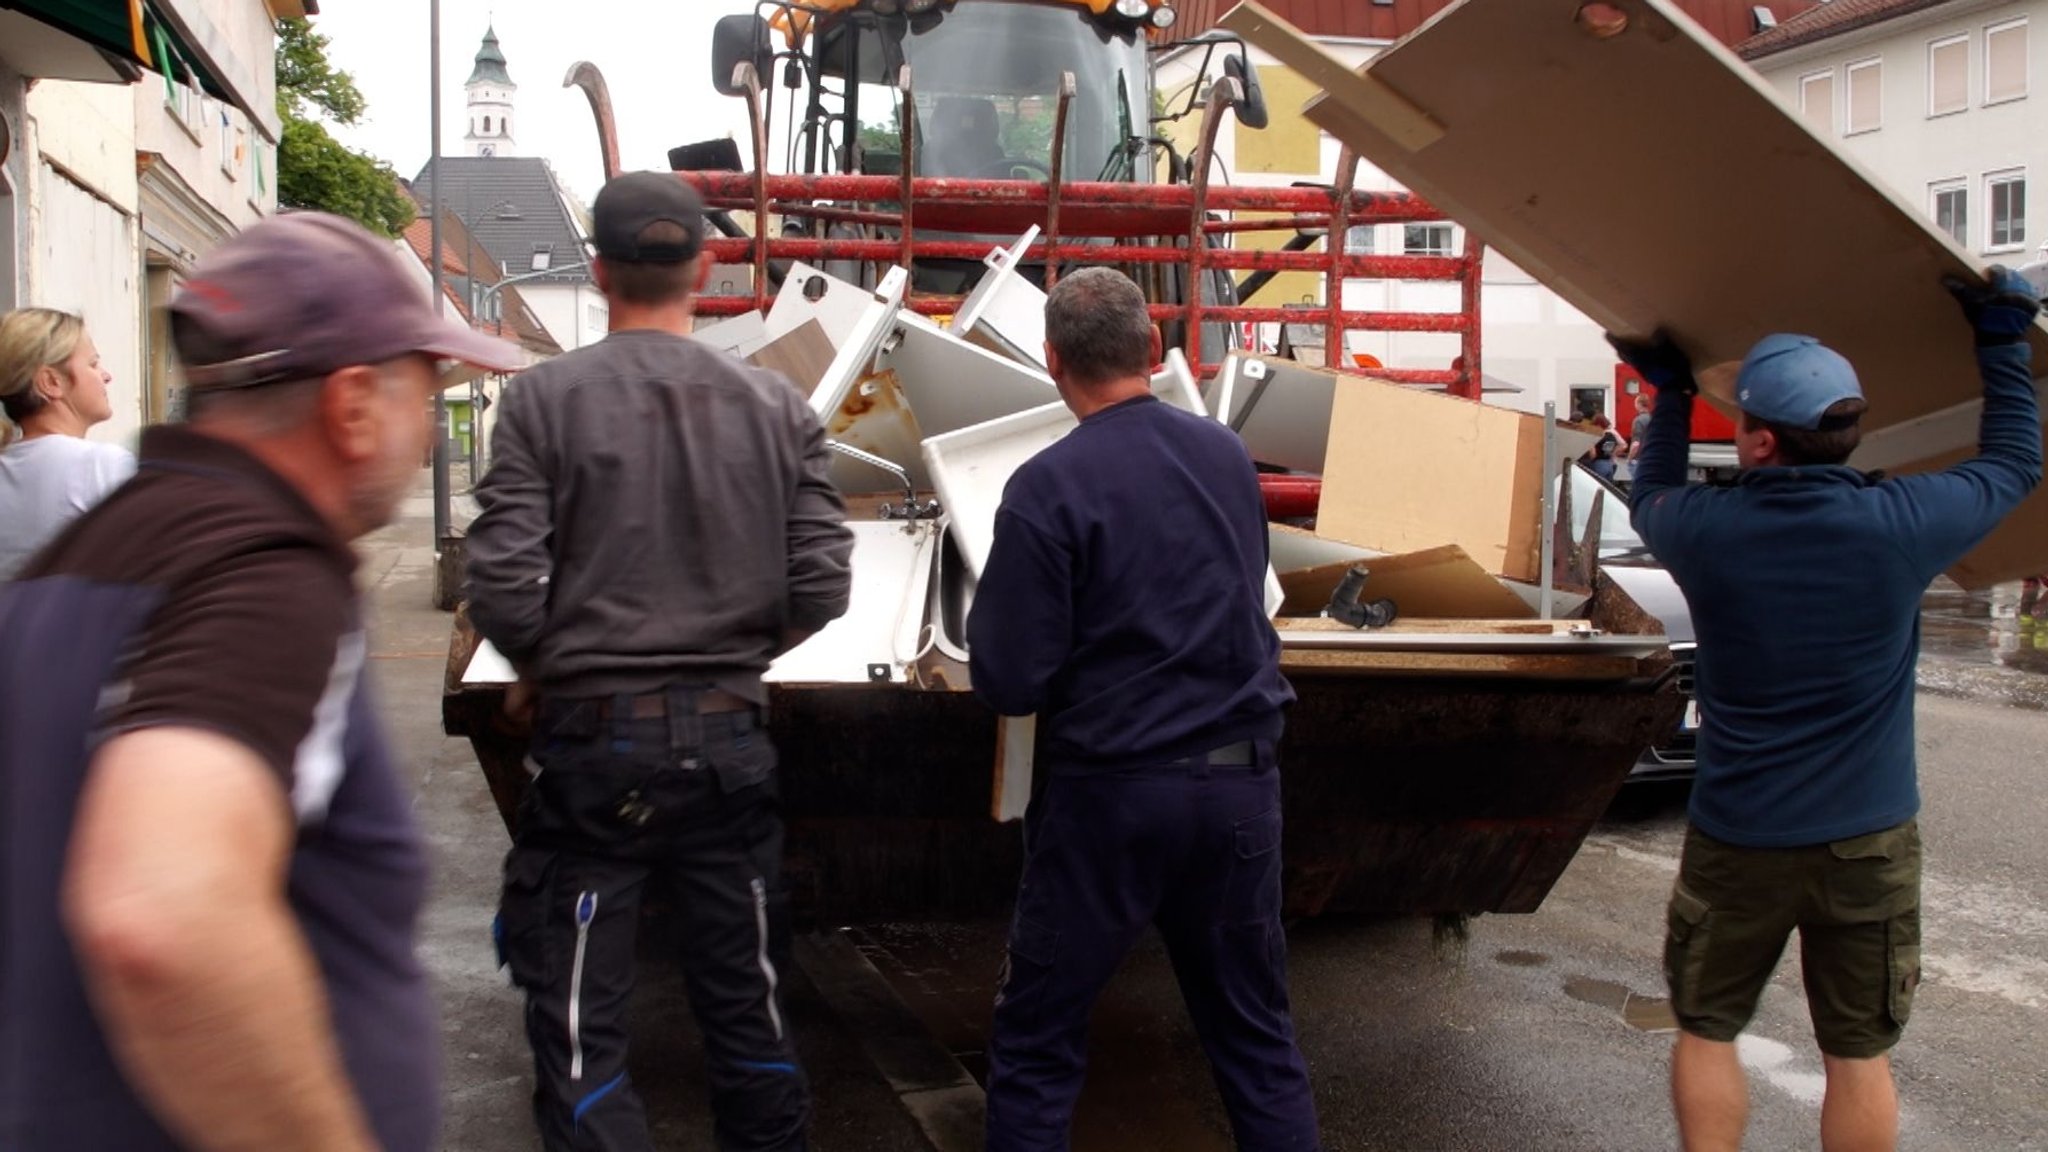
column 1936, row 101
column 518, row 210
column 130, row 148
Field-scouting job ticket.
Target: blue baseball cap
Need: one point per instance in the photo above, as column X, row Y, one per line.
column 1792, row 380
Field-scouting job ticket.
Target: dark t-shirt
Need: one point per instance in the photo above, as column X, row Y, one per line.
column 206, row 593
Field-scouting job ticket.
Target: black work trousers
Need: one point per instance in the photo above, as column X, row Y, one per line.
column 684, row 799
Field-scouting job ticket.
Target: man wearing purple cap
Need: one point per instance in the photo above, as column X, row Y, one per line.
column 1804, row 582
column 210, row 874
column 658, row 524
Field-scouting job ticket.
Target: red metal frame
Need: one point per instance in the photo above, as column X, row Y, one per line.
column 1189, row 226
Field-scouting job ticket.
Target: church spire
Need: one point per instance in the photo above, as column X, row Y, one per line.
column 490, row 62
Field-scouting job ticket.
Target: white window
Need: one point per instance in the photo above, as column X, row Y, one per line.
column 1427, row 240
column 1948, row 75
column 2006, row 194
column 1817, row 100
column 1359, row 240
column 2005, row 62
column 176, row 98
column 1866, row 97
column 1950, row 203
column 543, row 258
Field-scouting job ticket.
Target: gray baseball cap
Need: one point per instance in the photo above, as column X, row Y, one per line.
column 298, row 296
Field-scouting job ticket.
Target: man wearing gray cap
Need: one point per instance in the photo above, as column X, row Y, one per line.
column 1804, row 582
column 658, row 524
column 211, row 876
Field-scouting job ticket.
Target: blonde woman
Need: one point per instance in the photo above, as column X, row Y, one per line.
column 52, row 388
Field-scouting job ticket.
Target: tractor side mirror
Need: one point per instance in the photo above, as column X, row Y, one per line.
column 1252, row 112
column 737, row 40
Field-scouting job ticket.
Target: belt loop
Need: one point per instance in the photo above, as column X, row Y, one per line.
column 685, row 722
column 673, row 701
column 622, row 724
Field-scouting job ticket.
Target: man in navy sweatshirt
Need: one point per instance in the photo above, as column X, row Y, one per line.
column 1122, row 603
column 1804, row 580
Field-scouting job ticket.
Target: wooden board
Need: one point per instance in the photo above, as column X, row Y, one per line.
column 802, row 354
column 1653, row 180
column 1409, row 470
column 1435, row 584
column 1489, row 665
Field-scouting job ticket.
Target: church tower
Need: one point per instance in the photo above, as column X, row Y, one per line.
column 490, row 90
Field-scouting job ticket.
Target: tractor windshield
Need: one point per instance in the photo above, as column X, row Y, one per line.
column 986, row 80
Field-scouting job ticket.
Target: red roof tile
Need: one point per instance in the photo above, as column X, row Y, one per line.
column 517, row 321
column 1830, row 19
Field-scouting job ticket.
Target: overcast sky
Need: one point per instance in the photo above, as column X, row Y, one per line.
column 655, row 55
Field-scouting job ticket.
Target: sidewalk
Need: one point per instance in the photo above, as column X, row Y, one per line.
column 488, row 1078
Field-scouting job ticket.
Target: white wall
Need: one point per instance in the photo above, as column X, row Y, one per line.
column 189, row 139
column 14, row 179
column 81, row 235
column 574, row 314
column 1912, row 150
column 89, row 131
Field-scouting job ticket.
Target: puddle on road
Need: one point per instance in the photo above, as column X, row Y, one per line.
column 1983, row 627
column 1642, row 1013
column 1518, row 958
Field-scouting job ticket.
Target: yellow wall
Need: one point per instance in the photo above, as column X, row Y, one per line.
column 1289, row 145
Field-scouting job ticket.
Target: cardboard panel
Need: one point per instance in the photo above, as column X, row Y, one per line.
column 1434, row 584
column 1410, row 470
column 1653, row 180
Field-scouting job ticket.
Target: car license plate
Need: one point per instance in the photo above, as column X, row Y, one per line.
column 1691, row 722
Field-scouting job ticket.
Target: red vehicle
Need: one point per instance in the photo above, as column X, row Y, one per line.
column 1708, row 424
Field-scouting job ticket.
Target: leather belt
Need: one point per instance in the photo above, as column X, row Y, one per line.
column 654, row 705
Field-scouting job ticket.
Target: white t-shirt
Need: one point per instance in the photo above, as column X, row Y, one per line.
column 45, row 483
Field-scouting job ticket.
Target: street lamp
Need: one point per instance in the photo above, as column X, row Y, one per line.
column 480, row 305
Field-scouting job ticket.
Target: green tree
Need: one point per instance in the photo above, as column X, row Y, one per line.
column 314, row 170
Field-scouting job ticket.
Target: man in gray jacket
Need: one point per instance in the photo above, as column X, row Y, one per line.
column 657, row 526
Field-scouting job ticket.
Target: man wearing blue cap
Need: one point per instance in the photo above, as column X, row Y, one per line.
column 1804, row 581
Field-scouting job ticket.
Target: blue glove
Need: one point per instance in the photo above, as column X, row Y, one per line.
column 1659, row 361
column 2000, row 312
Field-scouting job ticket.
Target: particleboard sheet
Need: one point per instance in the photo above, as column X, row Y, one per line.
column 1532, row 109
column 803, row 354
column 1435, row 584
column 1409, row 470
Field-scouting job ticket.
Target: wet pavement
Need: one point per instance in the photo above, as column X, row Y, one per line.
column 1546, row 1031
column 1985, row 627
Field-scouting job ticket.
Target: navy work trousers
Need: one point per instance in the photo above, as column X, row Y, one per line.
column 1194, row 850
column 685, row 800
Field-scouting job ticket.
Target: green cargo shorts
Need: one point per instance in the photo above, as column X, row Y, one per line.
column 1856, row 904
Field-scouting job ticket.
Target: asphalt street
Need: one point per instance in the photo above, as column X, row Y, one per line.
column 1545, row 1031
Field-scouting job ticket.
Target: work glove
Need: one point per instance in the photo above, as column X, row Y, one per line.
column 2000, row 312
column 1659, row 361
